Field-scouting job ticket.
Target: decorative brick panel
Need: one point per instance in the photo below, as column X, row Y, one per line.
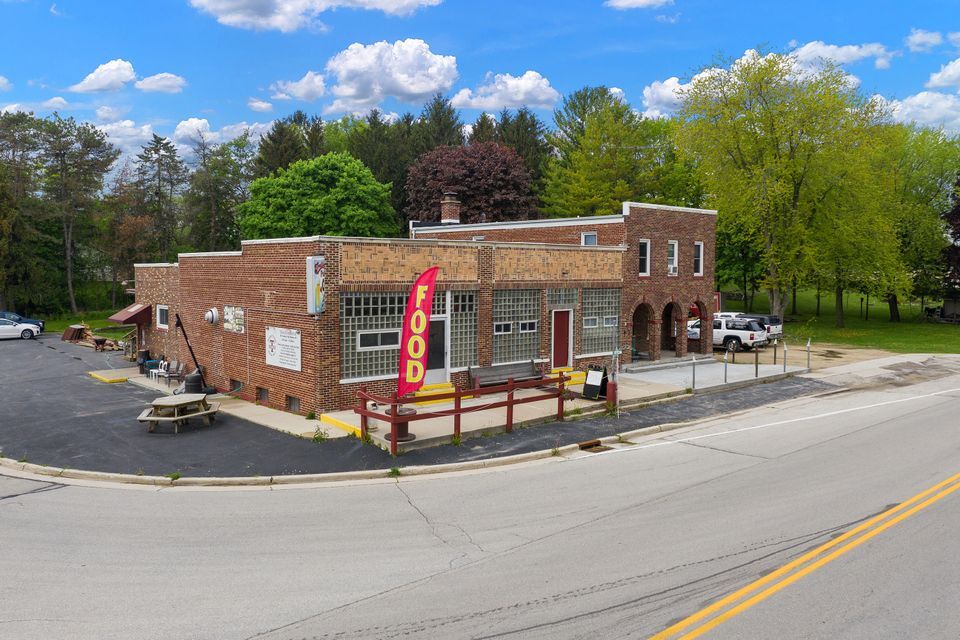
column 530, row 264
column 392, row 262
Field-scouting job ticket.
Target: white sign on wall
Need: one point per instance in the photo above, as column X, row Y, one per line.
column 283, row 348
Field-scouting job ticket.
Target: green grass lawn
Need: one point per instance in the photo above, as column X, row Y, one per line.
column 96, row 320
column 911, row 335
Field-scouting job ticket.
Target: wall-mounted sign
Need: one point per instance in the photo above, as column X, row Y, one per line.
column 316, row 274
column 233, row 319
column 283, row 348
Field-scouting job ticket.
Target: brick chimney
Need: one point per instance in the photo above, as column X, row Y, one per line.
column 449, row 208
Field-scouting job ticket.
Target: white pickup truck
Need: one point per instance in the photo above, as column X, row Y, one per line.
column 733, row 334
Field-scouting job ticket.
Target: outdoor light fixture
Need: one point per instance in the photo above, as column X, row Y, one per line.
column 212, row 316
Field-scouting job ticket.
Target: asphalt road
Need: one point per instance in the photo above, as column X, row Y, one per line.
column 619, row 544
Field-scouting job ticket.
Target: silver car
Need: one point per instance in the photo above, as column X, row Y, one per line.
column 11, row 329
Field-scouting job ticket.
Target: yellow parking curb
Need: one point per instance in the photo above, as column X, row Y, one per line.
column 94, row 374
column 340, row 424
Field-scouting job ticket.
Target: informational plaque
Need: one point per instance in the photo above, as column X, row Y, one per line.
column 595, row 386
column 283, row 348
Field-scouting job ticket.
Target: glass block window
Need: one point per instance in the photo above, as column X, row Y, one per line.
column 601, row 313
column 367, row 322
column 463, row 329
column 562, row 297
column 521, row 310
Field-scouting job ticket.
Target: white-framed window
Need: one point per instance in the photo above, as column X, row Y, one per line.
column 529, row 326
column 591, row 323
column 502, row 328
column 698, row 258
column 378, row 339
column 588, row 238
column 163, row 316
column 672, row 257
column 644, row 257
column 478, row 238
column 611, row 321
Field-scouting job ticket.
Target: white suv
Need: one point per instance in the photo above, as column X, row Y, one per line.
column 734, row 334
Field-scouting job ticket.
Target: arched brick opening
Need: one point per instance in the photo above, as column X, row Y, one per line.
column 672, row 325
column 703, row 343
column 640, row 338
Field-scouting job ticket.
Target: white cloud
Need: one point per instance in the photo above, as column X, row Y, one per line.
column 667, row 19
column 291, row 15
column 127, row 135
column 109, row 76
column 188, row 131
column 928, row 108
column 109, row 114
column 5, row 85
column 406, row 70
column 12, row 108
column 662, row 98
column 948, row 76
column 308, row 88
column 259, row 105
column 813, row 52
column 954, row 38
column 921, row 40
column 162, row 83
column 56, row 12
column 504, row 91
column 56, row 102
column 636, row 4
column 617, row 93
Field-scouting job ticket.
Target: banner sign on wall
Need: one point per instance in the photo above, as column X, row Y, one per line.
column 416, row 327
column 283, row 348
column 316, row 274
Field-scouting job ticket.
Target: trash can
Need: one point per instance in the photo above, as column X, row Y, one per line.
column 192, row 383
column 403, row 428
column 142, row 356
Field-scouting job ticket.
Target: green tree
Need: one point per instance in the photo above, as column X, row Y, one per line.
column 337, row 133
column 439, row 125
column 388, row 150
column 569, row 120
column 161, row 177
column 526, row 134
column 775, row 145
column 334, row 194
column 483, row 130
column 76, row 158
column 283, row 145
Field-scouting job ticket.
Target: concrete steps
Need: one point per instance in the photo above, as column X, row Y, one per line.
column 428, row 390
column 576, row 377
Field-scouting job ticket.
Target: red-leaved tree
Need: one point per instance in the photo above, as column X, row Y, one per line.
column 491, row 180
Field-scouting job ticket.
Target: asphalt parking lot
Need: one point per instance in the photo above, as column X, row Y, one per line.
column 52, row 413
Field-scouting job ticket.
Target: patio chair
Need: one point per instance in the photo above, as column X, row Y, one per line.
column 175, row 371
column 161, row 369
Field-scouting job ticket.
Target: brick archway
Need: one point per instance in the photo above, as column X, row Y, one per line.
column 703, row 344
column 644, row 337
column 673, row 331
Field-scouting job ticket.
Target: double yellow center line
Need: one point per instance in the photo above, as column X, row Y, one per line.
column 722, row 610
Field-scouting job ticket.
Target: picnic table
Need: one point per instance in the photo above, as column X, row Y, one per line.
column 178, row 409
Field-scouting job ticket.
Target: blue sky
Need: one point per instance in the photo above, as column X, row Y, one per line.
column 177, row 66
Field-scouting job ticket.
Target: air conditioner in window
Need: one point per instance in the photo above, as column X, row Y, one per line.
column 672, row 269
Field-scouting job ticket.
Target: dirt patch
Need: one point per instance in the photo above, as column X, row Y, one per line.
column 822, row 355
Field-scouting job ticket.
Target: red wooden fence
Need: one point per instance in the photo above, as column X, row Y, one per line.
column 393, row 404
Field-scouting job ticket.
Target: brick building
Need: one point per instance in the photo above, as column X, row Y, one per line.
column 558, row 292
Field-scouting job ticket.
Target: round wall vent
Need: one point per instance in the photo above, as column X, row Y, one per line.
column 212, row 316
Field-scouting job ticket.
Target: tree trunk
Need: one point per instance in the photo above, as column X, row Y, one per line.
column 894, row 305
column 68, row 258
column 777, row 301
column 839, row 307
column 113, row 287
column 818, row 300
column 866, row 313
column 793, row 295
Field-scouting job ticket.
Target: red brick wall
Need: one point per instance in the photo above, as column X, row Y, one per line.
column 609, row 234
column 158, row 285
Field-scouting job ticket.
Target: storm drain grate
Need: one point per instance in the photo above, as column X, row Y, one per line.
column 592, row 446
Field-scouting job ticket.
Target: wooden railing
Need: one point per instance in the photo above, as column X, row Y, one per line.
column 391, row 405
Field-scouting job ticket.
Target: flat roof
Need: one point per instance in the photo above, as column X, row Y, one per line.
column 666, row 207
column 518, row 224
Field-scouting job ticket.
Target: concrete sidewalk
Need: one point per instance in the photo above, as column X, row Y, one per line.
column 635, row 389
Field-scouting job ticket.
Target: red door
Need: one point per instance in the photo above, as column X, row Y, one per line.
column 561, row 339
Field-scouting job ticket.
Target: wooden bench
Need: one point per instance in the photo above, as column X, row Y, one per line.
column 501, row 373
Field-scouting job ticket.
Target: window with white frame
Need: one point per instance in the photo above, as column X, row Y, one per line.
column 644, row 257
column 591, row 323
column 588, row 238
column 374, row 340
column 502, row 328
column 672, row 258
column 163, row 316
column 611, row 321
column 698, row 258
column 529, row 326
column 601, row 309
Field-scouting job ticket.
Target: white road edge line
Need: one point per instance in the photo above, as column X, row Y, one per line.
column 768, row 424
